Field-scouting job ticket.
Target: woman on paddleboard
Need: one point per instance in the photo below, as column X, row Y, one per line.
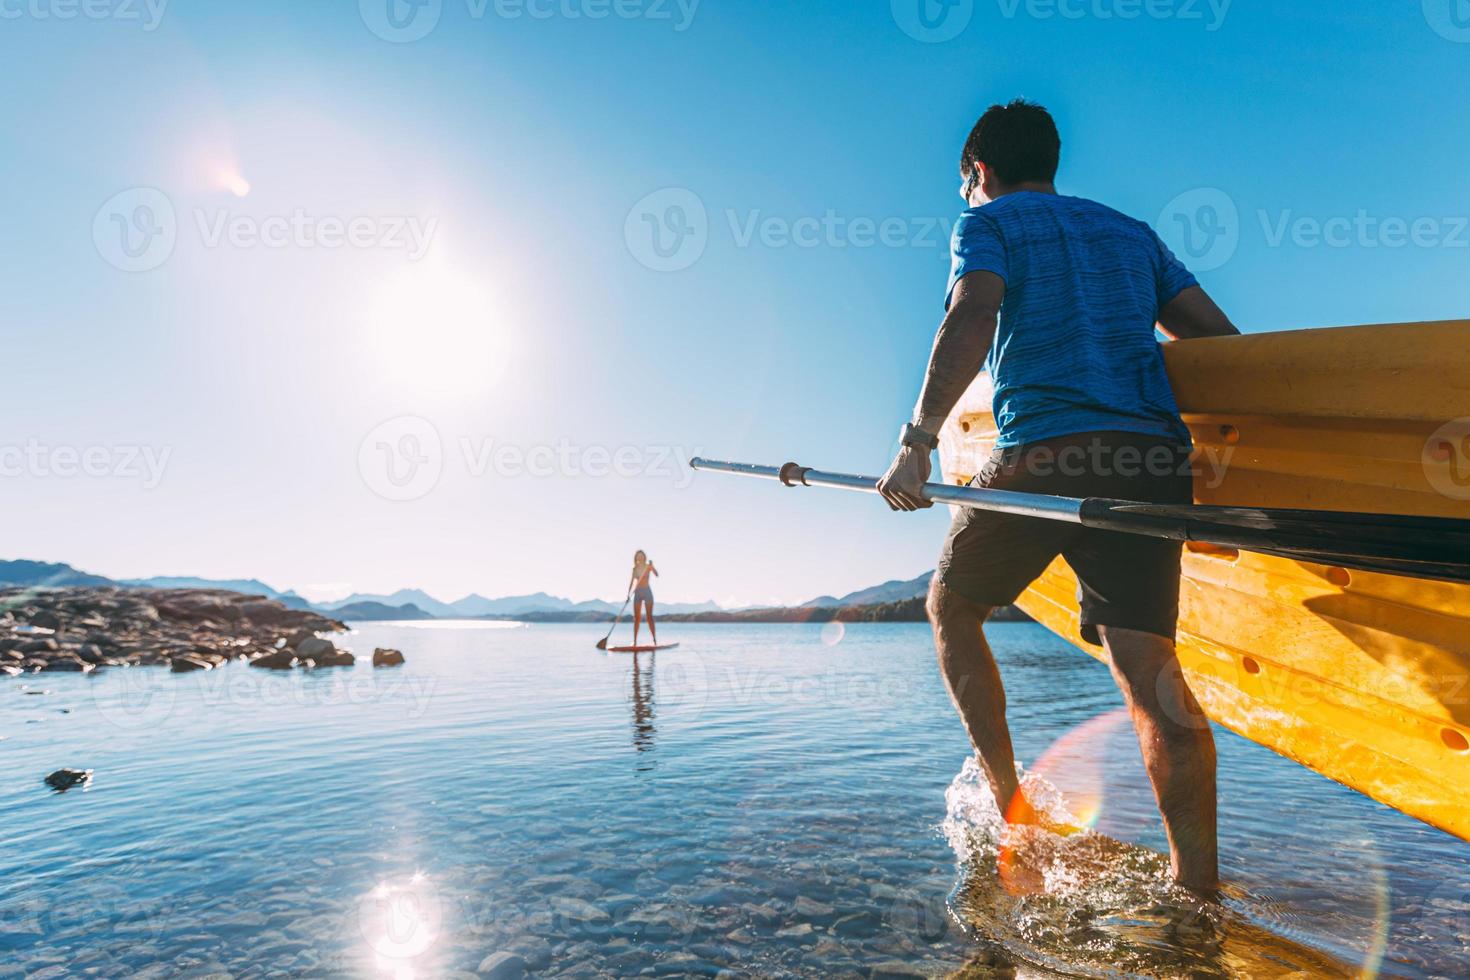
column 642, row 594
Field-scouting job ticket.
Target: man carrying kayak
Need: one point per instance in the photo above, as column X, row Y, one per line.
column 1058, row 297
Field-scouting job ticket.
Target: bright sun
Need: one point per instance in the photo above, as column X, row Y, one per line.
column 436, row 329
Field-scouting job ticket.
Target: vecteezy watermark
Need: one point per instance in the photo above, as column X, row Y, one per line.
column 668, row 230
column 405, row 21
column 932, row 21
column 1446, row 459
column 148, row 13
column 1202, row 226
column 935, row 21
column 136, row 230
column 1364, row 230
column 1206, row 466
column 401, row 917
column 1210, row 14
column 565, row 458
column 403, row 458
column 408, row 233
column 33, row 458
column 1450, row 19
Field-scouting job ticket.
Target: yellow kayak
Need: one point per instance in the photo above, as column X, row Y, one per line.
column 1361, row 676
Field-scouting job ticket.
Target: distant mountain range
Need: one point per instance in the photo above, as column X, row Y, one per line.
column 477, row 606
column 417, row 604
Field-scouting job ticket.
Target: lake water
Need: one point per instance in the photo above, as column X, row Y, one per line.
column 766, row 800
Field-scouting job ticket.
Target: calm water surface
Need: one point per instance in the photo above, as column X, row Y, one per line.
column 764, row 800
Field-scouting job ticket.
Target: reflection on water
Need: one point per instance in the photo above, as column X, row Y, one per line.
column 643, row 701
column 498, row 797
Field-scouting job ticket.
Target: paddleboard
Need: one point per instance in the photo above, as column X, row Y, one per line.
column 642, row 649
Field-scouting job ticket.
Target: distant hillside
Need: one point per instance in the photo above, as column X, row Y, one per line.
column 403, row 597
column 366, row 611
column 897, row 590
column 22, row 572
column 901, row 611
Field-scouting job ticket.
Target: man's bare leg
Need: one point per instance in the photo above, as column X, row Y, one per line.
column 975, row 687
column 1178, row 749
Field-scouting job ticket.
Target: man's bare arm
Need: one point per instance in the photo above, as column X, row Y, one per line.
column 960, row 347
column 1193, row 314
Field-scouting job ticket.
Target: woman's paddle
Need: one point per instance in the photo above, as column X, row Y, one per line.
column 1428, row 547
column 602, row 643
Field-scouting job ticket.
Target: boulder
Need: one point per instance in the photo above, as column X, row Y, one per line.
column 502, row 966
column 314, row 647
column 91, row 653
column 385, row 657
column 68, row 664
column 276, row 660
column 39, row 646
column 184, row 665
column 64, row 779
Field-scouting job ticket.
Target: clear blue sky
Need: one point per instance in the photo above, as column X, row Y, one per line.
column 521, row 137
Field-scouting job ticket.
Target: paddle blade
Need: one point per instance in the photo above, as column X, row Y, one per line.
column 602, row 643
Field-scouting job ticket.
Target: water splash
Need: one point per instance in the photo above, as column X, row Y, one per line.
column 1080, row 903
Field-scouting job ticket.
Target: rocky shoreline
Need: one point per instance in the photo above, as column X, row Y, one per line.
column 82, row 629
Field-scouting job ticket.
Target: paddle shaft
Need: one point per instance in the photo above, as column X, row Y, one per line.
column 1434, row 547
column 616, row 619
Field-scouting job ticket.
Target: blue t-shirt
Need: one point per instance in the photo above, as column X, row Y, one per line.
column 1075, row 349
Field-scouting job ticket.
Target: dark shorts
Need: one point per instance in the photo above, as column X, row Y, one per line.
column 644, row 594
column 1124, row 580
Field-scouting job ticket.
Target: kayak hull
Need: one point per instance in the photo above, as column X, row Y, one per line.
column 1361, row 676
column 642, row 649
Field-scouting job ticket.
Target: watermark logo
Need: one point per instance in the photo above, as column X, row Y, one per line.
column 1450, row 19
column 402, row 918
column 38, row 460
column 667, row 231
column 1364, row 230
column 1210, row 13
column 680, row 686
column 1202, row 227
column 402, row 458
column 932, row 21
column 406, row 233
column 400, row 21
column 149, row 13
column 135, row 230
column 404, row 21
column 136, row 698
column 1446, row 459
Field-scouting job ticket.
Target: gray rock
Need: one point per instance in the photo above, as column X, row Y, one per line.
column 91, row 653
column 278, row 660
column 183, row 665
column 314, row 647
column 502, row 966
column 69, row 664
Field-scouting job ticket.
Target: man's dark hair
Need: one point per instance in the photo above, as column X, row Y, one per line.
column 1018, row 141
